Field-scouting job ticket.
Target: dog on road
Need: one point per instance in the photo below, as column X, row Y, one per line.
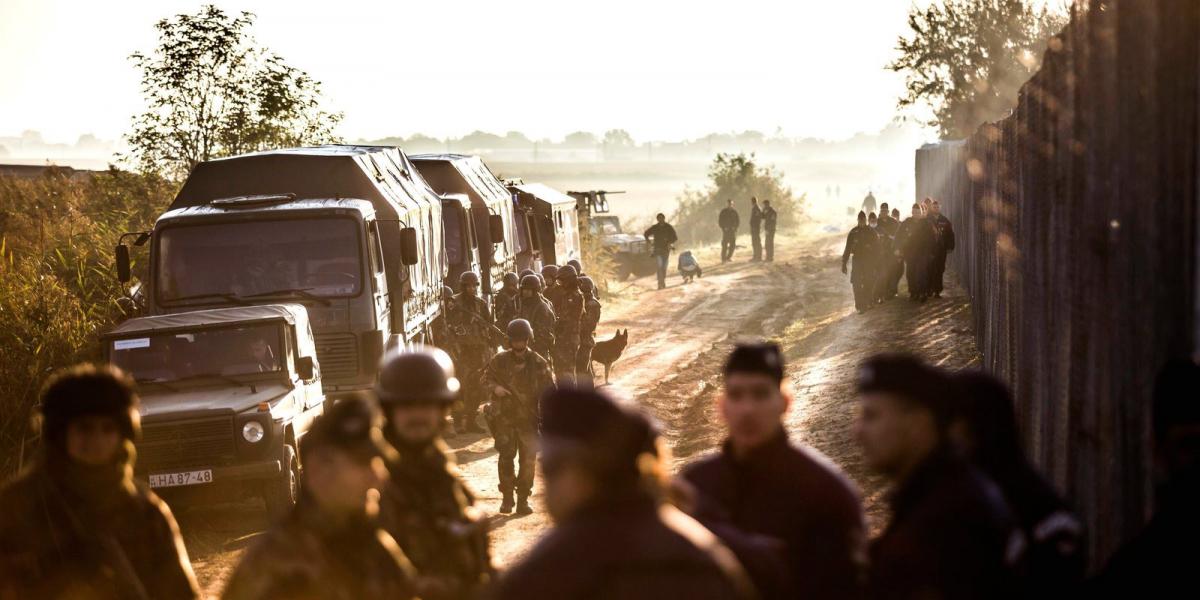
column 607, row 352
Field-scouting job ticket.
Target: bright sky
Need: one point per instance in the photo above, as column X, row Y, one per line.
column 662, row 69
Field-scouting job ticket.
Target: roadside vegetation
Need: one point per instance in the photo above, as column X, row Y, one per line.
column 736, row 177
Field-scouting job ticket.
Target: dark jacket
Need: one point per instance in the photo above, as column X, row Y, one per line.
column 951, row 536
column 664, row 236
column 769, row 218
column 863, row 244
column 793, row 496
column 626, row 548
column 728, row 219
column 540, row 314
column 943, row 233
column 915, row 239
column 756, row 217
column 1054, row 558
column 307, row 556
column 61, row 537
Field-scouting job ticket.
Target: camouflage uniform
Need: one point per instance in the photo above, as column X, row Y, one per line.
column 514, row 419
column 506, row 306
column 587, row 339
column 568, row 310
column 311, row 555
column 540, row 314
column 473, row 348
column 430, row 513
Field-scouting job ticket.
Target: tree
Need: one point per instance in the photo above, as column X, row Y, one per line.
column 736, row 177
column 967, row 59
column 618, row 138
column 211, row 91
column 580, row 139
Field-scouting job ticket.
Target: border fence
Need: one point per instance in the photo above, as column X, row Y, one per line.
column 1076, row 219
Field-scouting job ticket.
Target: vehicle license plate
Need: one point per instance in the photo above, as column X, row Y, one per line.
column 161, row 480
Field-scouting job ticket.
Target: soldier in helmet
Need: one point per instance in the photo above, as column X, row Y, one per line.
column 331, row 544
column 550, row 287
column 425, row 506
column 470, row 329
column 506, row 299
column 578, row 266
column 76, row 525
column 568, row 312
column 532, row 307
column 516, row 379
column 587, row 331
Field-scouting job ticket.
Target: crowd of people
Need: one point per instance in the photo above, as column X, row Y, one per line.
column 880, row 250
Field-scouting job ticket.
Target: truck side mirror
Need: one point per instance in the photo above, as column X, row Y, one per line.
column 496, row 228
column 305, row 368
column 123, row 270
column 408, row 246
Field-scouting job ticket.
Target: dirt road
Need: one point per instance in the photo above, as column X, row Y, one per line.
column 678, row 340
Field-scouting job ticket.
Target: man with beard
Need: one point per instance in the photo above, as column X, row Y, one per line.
column 516, row 379
column 76, row 525
column 425, row 506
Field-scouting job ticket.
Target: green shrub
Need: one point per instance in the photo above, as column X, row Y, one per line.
column 736, row 177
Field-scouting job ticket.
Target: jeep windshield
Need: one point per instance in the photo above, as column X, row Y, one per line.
column 605, row 226
column 240, row 259
column 202, row 354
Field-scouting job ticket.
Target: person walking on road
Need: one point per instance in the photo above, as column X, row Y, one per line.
column 569, row 309
column 584, row 376
column 532, row 307
column 943, row 244
column 756, row 219
column 914, row 242
column 868, row 203
column 769, row 219
column 76, row 524
column 951, row 533
column 897, row 272
column 662, row 237
column 887, row 253
column 472, row 337
column 728, row 221
column 862, row 243
column 792, row 518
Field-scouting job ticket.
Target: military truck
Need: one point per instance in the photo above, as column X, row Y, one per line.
column 462, row 245
column 491, row 207
column 550, row 220
column 227, row 394
column 630, row 252
column 354, row 233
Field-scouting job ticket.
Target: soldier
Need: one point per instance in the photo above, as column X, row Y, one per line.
column 537, row 310
column 471, row 331
column 578, row 266
column 331, row 546
column 506, row 300
column 769, row 219
column 76, row 524
column 943, row 243
column 951, row 534
column 424, row 505
column 587, row 332
column 985, row 428
column 516, row 379
column 914, row 241
column 568, row 313
column 664, row 239
column 613, row 536
column 550, row 283
column 792, row 518
column 756, row 218
column 728, row 221
column 863, row 244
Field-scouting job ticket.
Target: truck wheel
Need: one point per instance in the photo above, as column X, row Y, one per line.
column 280, row 494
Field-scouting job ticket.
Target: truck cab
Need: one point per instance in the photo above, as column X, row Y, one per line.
column 553, row 224
column 226, row 396
column 462, row 239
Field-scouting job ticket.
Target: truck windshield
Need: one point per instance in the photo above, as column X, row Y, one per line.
column 256, row 258
column 204, row 353
column 605, row 226
column 452, row 217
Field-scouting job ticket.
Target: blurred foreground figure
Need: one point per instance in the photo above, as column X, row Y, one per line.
column 330, row 546
column 985, row 427
column 1161, row 561
column 76, row 525
column 614, row 537
column 790, row 516
column 425, row 506
column 951, row 534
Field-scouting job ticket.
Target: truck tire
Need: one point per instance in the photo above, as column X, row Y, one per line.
column 280, row 494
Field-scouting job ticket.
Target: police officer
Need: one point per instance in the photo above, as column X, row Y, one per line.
column 76, row 524
column 506, row 299
column 985, row 428
column 756, row 218
column 943, row 243
column 728, row 221
column 587, row 332
column 424, row 505
column 792, row 518
column 471, row 329
column 331, row 545
column 516, row 379
column 770, row 217
column 914, row 242
column 613, row 536
column 863, row 244
column 888, row 263
column 568, row 313
column 951, row 533
column 537, row 310
column 662, row 238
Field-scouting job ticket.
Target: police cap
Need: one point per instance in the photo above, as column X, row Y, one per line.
column 610, row 437
column 911, row 379
column 763, row 358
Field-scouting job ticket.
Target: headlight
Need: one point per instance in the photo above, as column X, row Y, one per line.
column 253, row 432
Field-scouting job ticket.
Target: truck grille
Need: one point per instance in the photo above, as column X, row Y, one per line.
column 338, row 355
column 199, row 443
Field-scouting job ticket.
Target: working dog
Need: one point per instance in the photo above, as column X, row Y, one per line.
column 608, row 351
